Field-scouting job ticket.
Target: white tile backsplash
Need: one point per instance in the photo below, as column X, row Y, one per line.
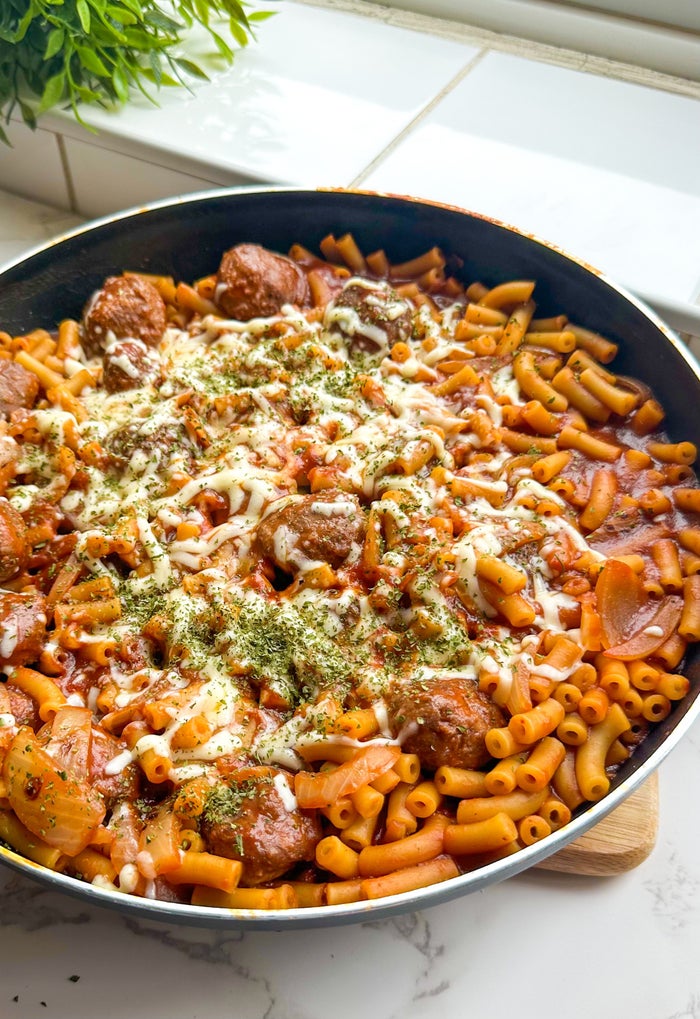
column 32, row 166
column 599, row 122
column 562, row 155
column 105, row 181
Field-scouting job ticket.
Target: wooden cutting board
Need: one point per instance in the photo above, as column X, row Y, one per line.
column 619, row 842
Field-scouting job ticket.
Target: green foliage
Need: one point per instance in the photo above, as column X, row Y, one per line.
column 67, row 52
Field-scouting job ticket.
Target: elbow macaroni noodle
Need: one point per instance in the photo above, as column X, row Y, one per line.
column 516, row 527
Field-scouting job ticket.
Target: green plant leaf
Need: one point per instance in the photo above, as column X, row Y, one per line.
column 83, row 12
column 191, row 68
column 28, row 115
column 140, row 40
column 160, row 20
column 236, row 11
column 88, row 95
column 222, row 46
column 95, row 51
column 202, row 10
column 121, row 84
column 92, row 62
column 53, row 92
column 54, row 43
column 238, row 33
column 134, row 6
column 155, row 67
column 162, row 79
column 121, row 15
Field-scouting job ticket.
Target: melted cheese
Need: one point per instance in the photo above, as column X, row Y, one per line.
column 284, row 792
column 254, row 416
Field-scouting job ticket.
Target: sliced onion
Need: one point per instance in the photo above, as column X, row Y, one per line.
column 323, row 788
column 623, row 604
column 60, row 810
column 643, row 643
column 641, row 389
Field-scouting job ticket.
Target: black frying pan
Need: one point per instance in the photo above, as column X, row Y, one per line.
column 186, row 237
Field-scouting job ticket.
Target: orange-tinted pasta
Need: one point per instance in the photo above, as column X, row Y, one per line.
column 385, row 560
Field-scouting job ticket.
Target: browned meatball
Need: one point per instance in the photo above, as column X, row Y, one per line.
column 446, row 720
column 373, row 316
column 13, row 546
column 124, row 784
column 25, row 710
column 128, row 307
column 249, row 820
column 321, row 527
column 18, row 387
column 22, row 627
column 158, row 443
column 128, row 365
column 254, row 282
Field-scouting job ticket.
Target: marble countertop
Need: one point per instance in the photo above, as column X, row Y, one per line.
column 540, row 944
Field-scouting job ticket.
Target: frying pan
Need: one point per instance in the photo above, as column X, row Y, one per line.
column 185, row 238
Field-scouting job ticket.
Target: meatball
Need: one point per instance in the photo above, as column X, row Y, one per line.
column 24, row 709
column 127, row 307
column 128, row 364
column 22, row 627
column 254, row 282
column 13, row 546
column 446, row 721
column 157, row 443
column 122, row 784
column 18, row 388
column 254, row 819
column 323, row 526
column 372, row 315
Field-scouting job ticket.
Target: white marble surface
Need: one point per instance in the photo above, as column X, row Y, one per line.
column 540, row 945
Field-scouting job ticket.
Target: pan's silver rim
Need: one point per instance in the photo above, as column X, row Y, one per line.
column 366, row 910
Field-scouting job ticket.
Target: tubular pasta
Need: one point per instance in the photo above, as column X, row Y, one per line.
column 329, row 545
column 429, row 872
column 590, row 757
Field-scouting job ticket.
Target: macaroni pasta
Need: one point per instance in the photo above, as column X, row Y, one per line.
column 326, row 578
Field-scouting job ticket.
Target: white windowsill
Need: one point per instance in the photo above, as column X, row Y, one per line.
column 598, row 156
column 665, row 49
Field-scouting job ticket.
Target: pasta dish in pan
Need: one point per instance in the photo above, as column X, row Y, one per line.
column 326, row 578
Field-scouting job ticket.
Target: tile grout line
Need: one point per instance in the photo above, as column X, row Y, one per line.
column 434, row 102
column 70, row 186
column 503, row 42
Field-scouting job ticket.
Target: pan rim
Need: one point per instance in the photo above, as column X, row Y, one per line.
column 336, row 915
